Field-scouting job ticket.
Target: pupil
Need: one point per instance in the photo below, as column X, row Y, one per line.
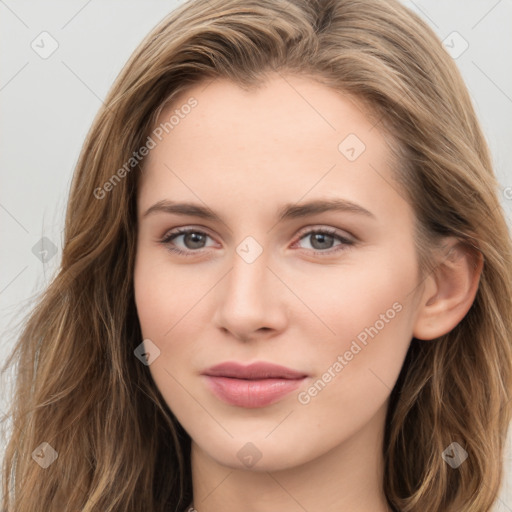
column 321, row 237
column 195, row 238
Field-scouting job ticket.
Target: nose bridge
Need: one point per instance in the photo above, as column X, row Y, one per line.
column 249, row 274
column 248, row 296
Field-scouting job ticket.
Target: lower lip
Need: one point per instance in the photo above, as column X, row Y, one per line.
column 251, row 393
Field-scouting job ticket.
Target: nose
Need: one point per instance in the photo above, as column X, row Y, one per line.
column 251, row 300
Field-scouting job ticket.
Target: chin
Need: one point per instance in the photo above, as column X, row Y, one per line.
column 258, row 455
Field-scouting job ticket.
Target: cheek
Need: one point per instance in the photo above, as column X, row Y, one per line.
column 357, row 367
column 169, row 303
column 151, row 301
column 365, row 291
column 367, row 319
column 164, row 303
column 162, row 294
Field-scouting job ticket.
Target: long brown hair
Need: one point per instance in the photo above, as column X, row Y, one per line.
column 79, row 386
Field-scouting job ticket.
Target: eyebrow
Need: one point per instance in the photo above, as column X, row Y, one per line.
column 287, row 212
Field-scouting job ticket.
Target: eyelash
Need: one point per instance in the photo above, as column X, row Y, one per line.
column 345, row 242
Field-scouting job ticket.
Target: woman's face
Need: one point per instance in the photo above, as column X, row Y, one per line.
column 307, row 261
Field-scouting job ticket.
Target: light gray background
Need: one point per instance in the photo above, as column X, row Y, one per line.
column 48, row 104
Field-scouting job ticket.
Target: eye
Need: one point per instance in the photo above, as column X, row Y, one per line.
column 192, row 238
column 321, row 241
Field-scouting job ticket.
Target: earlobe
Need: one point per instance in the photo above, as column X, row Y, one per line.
column 449, row 291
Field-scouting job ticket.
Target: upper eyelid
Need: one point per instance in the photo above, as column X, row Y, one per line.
column 183, row 231
column 331, row 230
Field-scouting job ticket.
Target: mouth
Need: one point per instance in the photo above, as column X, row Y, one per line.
column 257, row 385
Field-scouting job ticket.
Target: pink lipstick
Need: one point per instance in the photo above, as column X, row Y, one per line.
column 256, row 385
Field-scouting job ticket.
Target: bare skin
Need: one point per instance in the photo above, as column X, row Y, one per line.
column 244, row 155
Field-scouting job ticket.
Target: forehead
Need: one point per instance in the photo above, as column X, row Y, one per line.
column 304, row 106
column 290, row 137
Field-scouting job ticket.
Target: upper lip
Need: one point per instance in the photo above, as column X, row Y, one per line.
column 258, row 370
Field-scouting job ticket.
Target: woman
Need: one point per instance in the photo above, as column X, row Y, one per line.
column 251, row 371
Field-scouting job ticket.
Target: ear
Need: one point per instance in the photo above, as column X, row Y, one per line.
column 448, row 291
